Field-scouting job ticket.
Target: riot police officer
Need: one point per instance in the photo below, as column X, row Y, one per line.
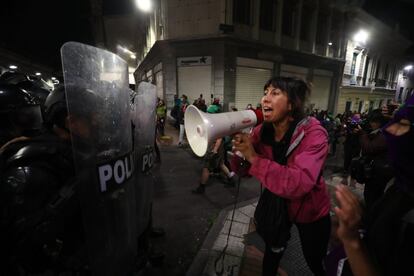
column 19, row 113
column 40, row 213
column 31, row 84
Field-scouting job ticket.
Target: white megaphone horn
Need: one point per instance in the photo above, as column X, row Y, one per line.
column 202, row 128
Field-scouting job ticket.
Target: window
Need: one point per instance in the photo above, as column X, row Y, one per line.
column 353, row 64
column 307, row 13
column 267, row 15
column 289, row 15
column 381, row 103
column 322, row 27
column 361, row 104
column 385, row 75
column 377, row 69
column 241, row 12
column 409, row 93
column 348, row 105
column 336, row 29
column 364, row 80
column 400, row 94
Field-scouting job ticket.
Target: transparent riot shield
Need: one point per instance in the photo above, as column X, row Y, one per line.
column 144, row 122
column 97, row 95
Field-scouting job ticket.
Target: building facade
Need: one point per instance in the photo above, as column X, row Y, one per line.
column 405, row 84
column 374, row 61
column 229, row 49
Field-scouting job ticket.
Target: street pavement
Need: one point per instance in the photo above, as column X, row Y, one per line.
column 197, row 226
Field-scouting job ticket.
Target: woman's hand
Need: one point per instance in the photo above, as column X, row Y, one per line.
column 242, row 143
column 349, row 214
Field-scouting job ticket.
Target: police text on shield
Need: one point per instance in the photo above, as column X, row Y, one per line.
column 115, row 172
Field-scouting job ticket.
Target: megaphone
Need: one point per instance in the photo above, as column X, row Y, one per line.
column 202, row 128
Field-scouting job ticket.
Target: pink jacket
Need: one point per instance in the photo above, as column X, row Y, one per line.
column 297, row 180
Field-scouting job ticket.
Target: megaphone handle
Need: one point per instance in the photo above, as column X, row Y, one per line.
column 243, row 163
column 239, row 154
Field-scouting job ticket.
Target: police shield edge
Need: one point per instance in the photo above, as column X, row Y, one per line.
column 144, row 121
column 96, row 84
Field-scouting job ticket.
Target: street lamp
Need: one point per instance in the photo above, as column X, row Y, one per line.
column 361, row 36
column 408, row 67
column 144, row 5
column 13, row 67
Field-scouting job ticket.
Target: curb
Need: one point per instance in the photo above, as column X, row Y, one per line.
column 200, row 261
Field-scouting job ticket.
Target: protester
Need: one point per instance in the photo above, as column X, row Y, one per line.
column 287, row 154
column 352, row 147
column 161, row 116
column 181, row 112
column 375, row 169
column 213, row 160
column 259, row 114
column 176, row 110
column 386, row 248
column 215, row 107
column 200, row 103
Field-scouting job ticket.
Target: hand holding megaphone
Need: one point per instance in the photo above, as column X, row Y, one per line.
column 243, row 147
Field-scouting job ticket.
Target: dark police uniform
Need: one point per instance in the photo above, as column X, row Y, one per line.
column 41, row 225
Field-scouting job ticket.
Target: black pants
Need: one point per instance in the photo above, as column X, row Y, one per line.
column 314, row 238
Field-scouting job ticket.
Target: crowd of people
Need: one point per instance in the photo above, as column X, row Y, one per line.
column 365, row 158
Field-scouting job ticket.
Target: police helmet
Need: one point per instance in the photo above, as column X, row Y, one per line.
column 55, row 107
column 56, row 104
column 33, row 85
column 36, row 88
column 19, row 108
column 13, row 77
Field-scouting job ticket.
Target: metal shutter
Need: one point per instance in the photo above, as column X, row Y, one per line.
column 321, row 87
column 193, row 81
column 249, row 85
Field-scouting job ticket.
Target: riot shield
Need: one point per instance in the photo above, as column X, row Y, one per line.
column 144, row 122
column 97, row 96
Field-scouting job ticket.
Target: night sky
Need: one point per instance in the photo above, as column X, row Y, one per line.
column 393, row 12
column 37, row 29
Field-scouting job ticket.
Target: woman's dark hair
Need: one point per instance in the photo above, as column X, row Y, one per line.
column 377, row 116
column 297, row 91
